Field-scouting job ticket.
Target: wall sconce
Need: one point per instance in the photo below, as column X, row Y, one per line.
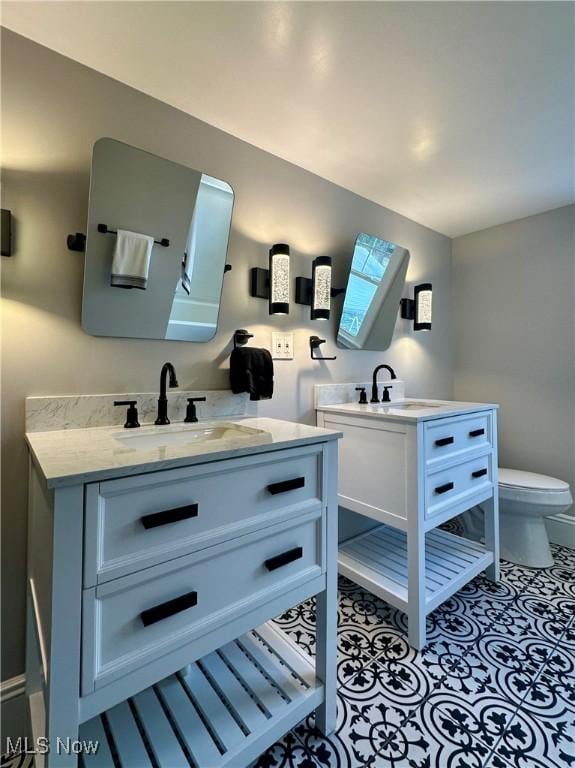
column 418, row 309
column 6, row 232
column 317, row 292
column 273, row 283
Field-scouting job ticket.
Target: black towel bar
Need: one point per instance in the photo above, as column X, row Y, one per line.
column 103, row 229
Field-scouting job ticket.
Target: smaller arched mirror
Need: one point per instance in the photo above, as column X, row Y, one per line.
column 374, row 289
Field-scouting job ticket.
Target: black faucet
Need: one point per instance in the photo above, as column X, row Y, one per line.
column 374, row 392
column 167, row 368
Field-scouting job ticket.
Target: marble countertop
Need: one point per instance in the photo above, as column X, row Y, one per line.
column 393, row 412
column 73, row 456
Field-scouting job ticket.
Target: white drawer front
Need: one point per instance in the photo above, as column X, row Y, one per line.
column 457, row 485
column 133, row 523
column 134, row 620
column 451, row 439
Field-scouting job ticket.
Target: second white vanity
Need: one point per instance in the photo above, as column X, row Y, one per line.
column 157, row 557
column 412, row 465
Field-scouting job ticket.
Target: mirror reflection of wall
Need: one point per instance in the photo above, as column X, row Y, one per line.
column 139, row 192
column 194, row 315
column 374, row 289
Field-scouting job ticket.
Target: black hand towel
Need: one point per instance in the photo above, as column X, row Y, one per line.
column 252, row 370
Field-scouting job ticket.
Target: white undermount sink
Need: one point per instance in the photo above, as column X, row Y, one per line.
column 148, row 438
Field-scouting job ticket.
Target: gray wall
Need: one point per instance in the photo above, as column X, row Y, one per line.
column 54, row 110
column 514, row 310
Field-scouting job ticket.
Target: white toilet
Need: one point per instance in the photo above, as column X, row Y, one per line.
column 525, row 500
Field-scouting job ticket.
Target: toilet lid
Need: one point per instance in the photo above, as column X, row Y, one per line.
column 517, row 478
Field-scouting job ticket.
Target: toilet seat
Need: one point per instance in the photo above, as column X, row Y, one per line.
column 529, row 487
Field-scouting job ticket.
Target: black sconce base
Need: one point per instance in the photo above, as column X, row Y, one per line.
column 76, row 242
column 303, row 290
column 259, row 283
column 407, row 309
column 6, row 232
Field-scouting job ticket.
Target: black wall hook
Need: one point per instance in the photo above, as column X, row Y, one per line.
column 241, row 337
column 314, row 343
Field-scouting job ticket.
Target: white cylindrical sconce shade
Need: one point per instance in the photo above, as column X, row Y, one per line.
column 321, row 288
column 423, row 295
column 279, row 279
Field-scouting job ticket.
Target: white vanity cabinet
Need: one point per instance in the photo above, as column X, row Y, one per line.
column 149, row 593
column 411, row 471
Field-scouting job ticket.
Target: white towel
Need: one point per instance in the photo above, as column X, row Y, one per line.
column 131, row 260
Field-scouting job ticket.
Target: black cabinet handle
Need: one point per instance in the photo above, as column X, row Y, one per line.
column 286, row 557
column 444, row 488
column 169, row 608
column 444, row 441
column 476, row 432
column 169, row 516
column 479, row 473
column 286, row 485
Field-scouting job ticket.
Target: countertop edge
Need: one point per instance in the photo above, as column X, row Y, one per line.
column 406, row 418
column 81, row 478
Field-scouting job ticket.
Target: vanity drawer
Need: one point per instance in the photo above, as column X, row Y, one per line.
column 134, row 620
column 137, row 522
column 448, row 439
column 457, row 484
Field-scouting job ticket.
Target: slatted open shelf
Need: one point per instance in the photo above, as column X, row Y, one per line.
column 223, row 710
column 377, row 560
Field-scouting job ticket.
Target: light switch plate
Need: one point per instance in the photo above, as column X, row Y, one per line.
column 282, row 346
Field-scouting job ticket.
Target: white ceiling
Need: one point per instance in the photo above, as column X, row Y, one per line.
column 459, row 115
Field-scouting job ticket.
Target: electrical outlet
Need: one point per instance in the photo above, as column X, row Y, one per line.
column 282, row 346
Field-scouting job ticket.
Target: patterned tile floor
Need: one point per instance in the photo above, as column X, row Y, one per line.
column 493, row 688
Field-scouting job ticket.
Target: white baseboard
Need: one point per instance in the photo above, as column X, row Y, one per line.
column 561, row 529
